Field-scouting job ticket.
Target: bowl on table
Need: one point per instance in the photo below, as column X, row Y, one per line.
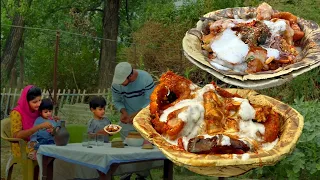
column 112, row 129
column 134, row 139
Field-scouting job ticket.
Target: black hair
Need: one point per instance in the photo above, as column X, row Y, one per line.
column 33, row 93
column 97, row 101
column 46, row 104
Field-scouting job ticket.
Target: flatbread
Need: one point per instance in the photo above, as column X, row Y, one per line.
column 226, row 165
column 308, row 58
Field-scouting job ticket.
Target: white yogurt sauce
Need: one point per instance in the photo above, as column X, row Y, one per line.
column 276, row 28
column 246, row 111
column 269, row 146
column 272, row 52
column 229, row 47
column 245, row 156
column 249, row 129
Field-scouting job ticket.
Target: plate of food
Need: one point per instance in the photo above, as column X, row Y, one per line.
column 217, row 132
column 112, row 129
column 253, row 47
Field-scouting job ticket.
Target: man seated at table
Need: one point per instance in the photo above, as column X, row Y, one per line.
column 95, row 126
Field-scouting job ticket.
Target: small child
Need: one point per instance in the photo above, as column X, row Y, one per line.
column 43, row 136
column 98, row 122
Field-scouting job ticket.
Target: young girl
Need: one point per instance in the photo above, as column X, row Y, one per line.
column 43, row 136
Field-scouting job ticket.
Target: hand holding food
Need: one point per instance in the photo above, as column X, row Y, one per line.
column 124, row 118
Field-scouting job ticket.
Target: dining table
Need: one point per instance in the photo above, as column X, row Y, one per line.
column 105, row 159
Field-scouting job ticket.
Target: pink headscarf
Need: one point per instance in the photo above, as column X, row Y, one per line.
column 27, row 116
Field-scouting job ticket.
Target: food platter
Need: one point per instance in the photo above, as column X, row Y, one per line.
column 227, row 165
column 112, row 129
column 307, row 59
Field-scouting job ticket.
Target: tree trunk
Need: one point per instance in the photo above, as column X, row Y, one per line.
column 13, row 78
column 21, row 84
column 12, row 45
column 109, row 48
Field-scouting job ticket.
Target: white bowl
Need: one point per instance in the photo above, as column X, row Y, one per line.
column 136, row 142
column 114, row 132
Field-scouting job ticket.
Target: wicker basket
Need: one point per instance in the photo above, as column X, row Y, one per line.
column 226, row 165
column 308, row 59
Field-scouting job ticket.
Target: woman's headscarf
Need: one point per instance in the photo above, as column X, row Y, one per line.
column 28, row 116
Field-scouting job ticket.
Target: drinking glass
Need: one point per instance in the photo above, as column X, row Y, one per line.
column 100, row 139
column 85, row 142
column 92, row 139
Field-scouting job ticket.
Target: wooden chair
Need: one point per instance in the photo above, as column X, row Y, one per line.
column 28, row 165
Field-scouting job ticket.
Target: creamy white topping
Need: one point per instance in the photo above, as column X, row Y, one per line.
column 234, row 156
column 229, row 47
column 269, row 146
column 246, row 111
column 200, row 92
column 181, row 104
column 185, row 142
column 225, row 141
column 276, row 28
column 173, row 142
column 272, row 52
column 250, row 129
column 245, row 156
column 193, row 115
column 193, row 87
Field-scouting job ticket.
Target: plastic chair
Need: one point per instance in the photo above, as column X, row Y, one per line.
column 28, row 165
column 76, row 132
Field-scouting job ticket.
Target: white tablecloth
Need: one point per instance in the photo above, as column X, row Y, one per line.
column 99, row 157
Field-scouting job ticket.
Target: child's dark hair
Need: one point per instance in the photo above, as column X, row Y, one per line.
column 46, row 104
column 97, row 101
column 33, row 93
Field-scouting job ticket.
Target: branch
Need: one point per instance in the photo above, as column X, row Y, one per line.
column 127, row 15
column 100, row 10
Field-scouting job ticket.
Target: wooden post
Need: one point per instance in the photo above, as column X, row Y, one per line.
column 83, row 95
column 55, row 73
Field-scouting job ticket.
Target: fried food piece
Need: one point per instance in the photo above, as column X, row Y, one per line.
column 272, row 127
column 264, row 11
column 223, row 92
column 298, row 34
column 262, row 112
column 171, row 90
column 175, row 125
column 287, row 16
column 254, row 66
column 256, row 52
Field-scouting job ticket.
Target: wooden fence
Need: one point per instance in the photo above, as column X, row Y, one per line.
column 10, row 96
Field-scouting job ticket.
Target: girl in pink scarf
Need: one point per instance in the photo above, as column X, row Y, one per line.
column 26, row 112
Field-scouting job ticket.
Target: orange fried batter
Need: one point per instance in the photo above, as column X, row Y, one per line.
column 171, row 90
column 272, row 127
column 287, row 16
